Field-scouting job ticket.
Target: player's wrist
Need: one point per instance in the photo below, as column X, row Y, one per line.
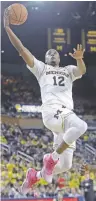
column 6, row 23
column 7, row 27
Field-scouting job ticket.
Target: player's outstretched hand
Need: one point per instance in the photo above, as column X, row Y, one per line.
column 6, row 18
column 78, row 53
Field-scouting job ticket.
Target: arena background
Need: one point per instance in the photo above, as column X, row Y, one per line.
column 24, row 138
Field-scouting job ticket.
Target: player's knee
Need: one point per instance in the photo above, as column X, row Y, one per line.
column 85, row 126
column 82, row 127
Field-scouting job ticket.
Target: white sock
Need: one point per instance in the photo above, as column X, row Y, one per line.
column 39, row 175
column 55, row 156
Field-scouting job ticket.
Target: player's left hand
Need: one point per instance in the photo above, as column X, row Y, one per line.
column 78, row 53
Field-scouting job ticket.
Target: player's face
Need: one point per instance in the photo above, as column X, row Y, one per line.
column 52, row 57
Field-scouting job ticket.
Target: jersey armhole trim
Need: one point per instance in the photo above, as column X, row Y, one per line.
column 69, row 74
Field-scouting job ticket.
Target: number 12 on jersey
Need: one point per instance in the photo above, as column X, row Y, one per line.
column 58, row 81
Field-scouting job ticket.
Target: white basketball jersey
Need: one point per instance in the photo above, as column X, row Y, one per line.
column 55, row 83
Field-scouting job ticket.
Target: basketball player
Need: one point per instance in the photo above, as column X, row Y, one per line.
column 57, row 106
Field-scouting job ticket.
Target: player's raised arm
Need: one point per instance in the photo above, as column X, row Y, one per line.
column 23, row 52
column 78, row 55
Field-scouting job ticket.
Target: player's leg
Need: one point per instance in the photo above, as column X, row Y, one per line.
column 64, row 164
column 72, row 127
column 70, row 124
column 65, row 161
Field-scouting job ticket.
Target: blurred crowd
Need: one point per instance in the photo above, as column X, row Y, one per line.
column 16, row 90
column 26, row 148
column 90, row 138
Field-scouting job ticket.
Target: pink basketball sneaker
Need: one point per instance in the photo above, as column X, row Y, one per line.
column 48, row 166
column 30, row 180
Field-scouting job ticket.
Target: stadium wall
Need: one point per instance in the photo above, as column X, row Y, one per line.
column 24, row 123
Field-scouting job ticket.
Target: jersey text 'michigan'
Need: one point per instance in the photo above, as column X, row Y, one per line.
column 55, row 83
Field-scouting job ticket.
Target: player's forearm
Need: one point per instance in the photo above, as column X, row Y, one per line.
column 23, row 52
column 81, row 66
column 14, row 40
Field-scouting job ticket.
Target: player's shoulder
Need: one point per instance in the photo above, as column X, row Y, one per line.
column 70, row 68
